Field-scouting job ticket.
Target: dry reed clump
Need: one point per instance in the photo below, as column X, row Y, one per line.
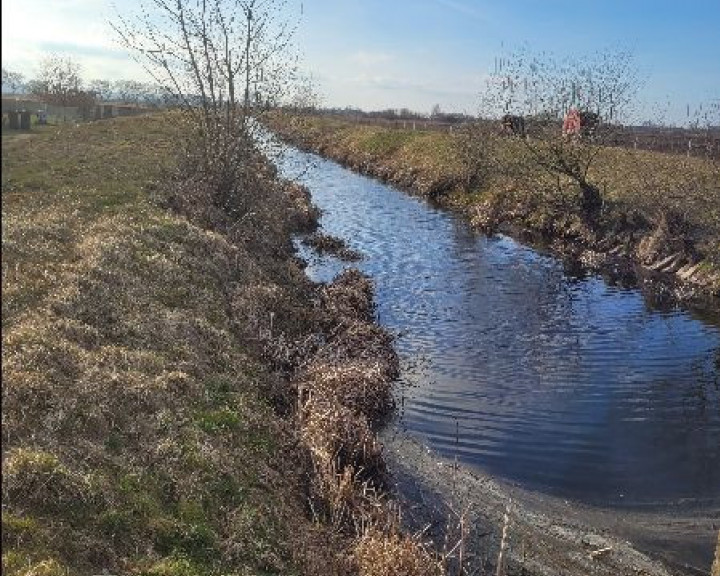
column 360, row 385
column 335, row 417
column 340, row 437
column 362, row 341
column 380, row 554
column 670, row 236
column 343, row 391
column 304, row 214
column 348, row 297
column 327, row 244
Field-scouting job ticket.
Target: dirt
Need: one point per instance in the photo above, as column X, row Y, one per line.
column 546, row 535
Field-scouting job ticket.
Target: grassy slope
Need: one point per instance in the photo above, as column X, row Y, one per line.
column 639, row 183
column 136, row 433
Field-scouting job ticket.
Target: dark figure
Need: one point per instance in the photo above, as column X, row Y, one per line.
column 514, row 125
column 589, row 122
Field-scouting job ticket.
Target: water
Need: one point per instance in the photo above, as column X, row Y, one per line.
column 557, row 383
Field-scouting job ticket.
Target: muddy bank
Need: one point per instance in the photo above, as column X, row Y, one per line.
column 545, row 536
column 627, row 246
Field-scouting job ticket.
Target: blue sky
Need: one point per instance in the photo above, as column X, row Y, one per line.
column 415, row 53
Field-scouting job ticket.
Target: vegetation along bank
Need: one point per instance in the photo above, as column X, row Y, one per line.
column 639, row 217
column 178, row 398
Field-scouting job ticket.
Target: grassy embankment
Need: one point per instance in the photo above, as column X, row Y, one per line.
column 661, row 211
column 149, row 420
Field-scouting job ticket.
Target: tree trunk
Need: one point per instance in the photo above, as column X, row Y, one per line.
column 591, row 202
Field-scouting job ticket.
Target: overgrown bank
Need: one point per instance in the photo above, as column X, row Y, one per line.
column 177, row 397
column 658, row 225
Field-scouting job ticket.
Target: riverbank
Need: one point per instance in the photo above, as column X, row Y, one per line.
column 172, row 398
column 178, row 398
column 659, row 226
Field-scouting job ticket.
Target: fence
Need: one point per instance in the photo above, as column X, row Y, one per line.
column 689, row 143
column 695, row 143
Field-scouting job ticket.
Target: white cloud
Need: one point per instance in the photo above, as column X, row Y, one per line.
column 31, row 29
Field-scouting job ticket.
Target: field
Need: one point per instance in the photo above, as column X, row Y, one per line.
column 698, row 143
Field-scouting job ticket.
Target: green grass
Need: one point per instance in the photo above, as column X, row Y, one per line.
column 381, row 142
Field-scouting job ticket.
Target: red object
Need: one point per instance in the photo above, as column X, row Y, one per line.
column 571, row 124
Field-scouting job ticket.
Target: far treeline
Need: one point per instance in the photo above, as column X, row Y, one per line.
column 60, row 83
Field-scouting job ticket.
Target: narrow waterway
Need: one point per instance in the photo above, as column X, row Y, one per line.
column 558, row 383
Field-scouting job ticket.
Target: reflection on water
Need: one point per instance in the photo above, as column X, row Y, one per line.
column 559, row 383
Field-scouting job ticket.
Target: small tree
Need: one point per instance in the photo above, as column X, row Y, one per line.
column 542, row 88
column 217, row 59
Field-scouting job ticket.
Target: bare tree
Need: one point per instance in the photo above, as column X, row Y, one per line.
column 131, row 91
column 102, row 89
column 60, row 83
column 11, row 81
column 218, row 59
column 541, row 89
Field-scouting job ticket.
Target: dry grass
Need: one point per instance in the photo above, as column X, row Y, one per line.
column 359, row 385
column 138, row 433
column 326, row 244
column 396, row 555
column 336, row 418
column 343, row 391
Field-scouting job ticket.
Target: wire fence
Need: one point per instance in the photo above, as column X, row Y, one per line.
column 692, row 143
